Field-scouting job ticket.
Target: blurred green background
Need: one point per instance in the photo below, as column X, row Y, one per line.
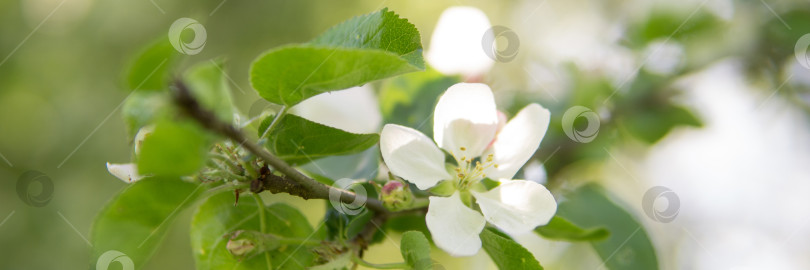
column 61, row 88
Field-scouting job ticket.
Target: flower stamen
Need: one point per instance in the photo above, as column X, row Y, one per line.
column 471, row 170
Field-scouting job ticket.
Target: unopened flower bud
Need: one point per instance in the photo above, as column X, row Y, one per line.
column 248, row 243
column 396, row 196
column 240, row 247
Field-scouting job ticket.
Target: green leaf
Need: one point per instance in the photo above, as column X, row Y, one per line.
column 209, row 85
column 357, row 223
column 361, row 50
column 174, row 149
column 150, row 69
column 408, row 222
column 381, row 30
column 654, row 124
column 291, row 74
column 143, row 108
column 217, row 218
column 506, row 253
column 135, row 221
column 628, row 246
column 666, row 24
column 561, row 229
column 298, row 140
column 343, row 227
column 415, row 250
column 776, row 43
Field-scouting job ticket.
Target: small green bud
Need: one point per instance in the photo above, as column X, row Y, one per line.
column 249, row 243
column 240, row 247
column 396, row 196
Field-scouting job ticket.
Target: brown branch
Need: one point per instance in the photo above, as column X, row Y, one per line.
column 275, row 184
column 299, row 184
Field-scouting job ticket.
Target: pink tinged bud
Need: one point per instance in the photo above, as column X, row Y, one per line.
column 391, row 186
column 396, row 196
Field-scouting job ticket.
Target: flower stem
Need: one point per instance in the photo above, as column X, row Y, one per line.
column 360, row 261
column 226, row 187
column 281, row 113
column 263, row 225
column 262, row 217
column 417, row 204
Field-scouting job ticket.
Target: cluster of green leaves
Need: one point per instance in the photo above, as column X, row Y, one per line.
column 176, row 150
column 771, row 57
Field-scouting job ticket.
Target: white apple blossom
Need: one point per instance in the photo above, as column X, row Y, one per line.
column 455, row 47
column 468, row 126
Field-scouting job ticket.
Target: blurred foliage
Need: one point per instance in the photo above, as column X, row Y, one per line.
column 629, row 245
column 156, row 201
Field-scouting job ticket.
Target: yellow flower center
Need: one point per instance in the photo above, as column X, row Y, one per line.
column 469, row 170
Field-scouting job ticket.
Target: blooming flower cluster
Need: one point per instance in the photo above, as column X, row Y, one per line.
column 483, row 145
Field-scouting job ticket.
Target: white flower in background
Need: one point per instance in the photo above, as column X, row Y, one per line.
column 354, row 110
column 128, row 172
column 663, row 57
column 535, row 171
column 467, row 125
column 455, row 47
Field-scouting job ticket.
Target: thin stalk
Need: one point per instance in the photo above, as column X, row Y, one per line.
column 281, row 113
column 360, row 261
column 263, row 225
column 226, row 160
column 226, row 187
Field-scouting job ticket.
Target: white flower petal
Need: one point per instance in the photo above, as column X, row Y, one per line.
column 455, row 47
column 466, row 117
column 413, row 156
column 126, row 172
column 517, row 206
column 354, row 110
column 518, row 141
column 454, row 226
column 140, row 136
